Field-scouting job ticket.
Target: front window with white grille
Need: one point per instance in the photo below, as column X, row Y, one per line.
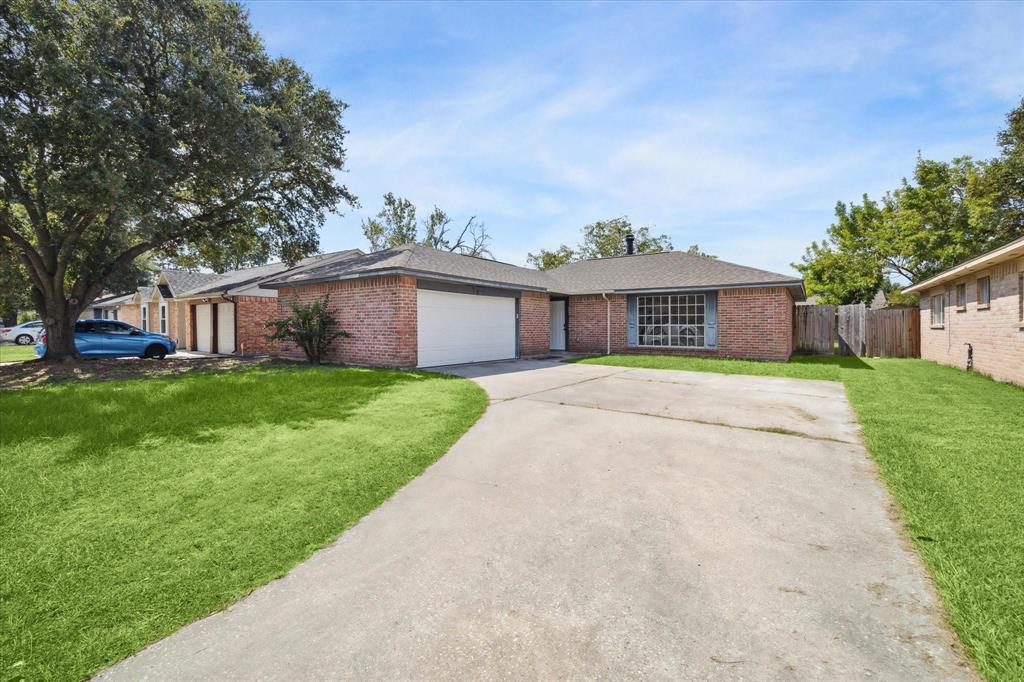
column 676, row 320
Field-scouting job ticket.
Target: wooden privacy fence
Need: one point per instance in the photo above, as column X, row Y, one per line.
column 815, row 329
column 855, row 330
column 852, row 332
column 894, row 333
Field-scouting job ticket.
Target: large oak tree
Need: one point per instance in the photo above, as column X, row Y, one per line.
column 161, row 127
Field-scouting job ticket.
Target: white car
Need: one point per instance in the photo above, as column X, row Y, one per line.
column 23, row 334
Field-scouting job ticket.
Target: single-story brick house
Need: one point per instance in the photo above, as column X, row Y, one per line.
column 415, row 306
column 981, row 303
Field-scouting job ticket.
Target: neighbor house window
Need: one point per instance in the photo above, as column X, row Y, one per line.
column 961, row 296
column 984, row 292
column 676, row 320
column 163, row 319
column 145, row 318
column 938, row 310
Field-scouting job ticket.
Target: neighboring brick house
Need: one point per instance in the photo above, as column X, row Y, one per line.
column 979, row 302
column 224, row 313
column 110, row 308
column 419, row 307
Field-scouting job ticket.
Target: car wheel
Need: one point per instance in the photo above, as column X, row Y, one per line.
column 23, row 340
column 156, row 352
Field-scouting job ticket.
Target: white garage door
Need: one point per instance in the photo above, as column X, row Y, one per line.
column 456, row 328
column 225, row 328
column 204, row 328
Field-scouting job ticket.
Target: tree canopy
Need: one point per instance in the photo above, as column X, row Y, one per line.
column 602, row 239
column 132, row 127
column 395, row 225
column 947, row 213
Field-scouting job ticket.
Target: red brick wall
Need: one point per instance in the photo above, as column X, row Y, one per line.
column 588, row 332
column 252, row 313
column 755, row 323
column 534, row 324
column 379, row 313
column 752, row 323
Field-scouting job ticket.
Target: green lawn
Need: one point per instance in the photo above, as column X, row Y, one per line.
column 11, row 353
column 130, row 508
column 950, row 446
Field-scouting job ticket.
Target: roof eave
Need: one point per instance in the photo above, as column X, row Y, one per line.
column 1014, row 249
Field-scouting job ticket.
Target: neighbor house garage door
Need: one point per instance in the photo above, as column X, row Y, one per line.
column 455, row 328
column 204, row 328
column 226, row 328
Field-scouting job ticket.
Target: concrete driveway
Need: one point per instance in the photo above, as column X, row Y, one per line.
column 600, row 522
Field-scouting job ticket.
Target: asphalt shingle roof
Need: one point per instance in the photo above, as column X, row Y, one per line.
column 247, row 276
column 667, row 270
column 422, row 260
column 181, row 281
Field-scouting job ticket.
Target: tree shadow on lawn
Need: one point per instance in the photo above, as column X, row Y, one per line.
column 108, row 416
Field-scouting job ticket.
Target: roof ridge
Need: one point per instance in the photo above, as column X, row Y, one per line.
column 674, row 252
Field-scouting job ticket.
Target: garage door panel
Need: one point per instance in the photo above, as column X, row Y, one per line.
column 204, row 328
column 456, row 328
column 225, row 328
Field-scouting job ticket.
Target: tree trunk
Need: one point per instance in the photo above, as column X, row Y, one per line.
column 60, row 321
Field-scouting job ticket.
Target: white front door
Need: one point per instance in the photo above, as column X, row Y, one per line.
column 455, row 328
column 204, row 328
column 557, row 325
column 225, row 328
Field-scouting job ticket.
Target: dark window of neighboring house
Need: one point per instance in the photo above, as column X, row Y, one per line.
column 984, row 292
column 163, row 319
column 961, row 296
column 1020, row 297
column 97, row 313
column 145, row 318
column 938, row 310
column 113, row 314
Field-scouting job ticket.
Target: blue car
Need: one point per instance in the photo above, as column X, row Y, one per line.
column 113, row 339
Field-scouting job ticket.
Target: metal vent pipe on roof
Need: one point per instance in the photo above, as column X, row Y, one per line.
column 629, row 244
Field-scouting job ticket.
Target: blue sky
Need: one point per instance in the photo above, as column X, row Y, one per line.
column 735, row 126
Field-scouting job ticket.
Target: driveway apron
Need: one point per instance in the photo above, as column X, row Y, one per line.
column 603, row 522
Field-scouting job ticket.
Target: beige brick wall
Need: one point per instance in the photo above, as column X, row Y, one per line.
column 130, row 313
column 995, row 332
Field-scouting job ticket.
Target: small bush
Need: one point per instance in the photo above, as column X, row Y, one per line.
column 311, row 327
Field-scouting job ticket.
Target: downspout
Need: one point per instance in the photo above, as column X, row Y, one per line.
column 607, row 323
